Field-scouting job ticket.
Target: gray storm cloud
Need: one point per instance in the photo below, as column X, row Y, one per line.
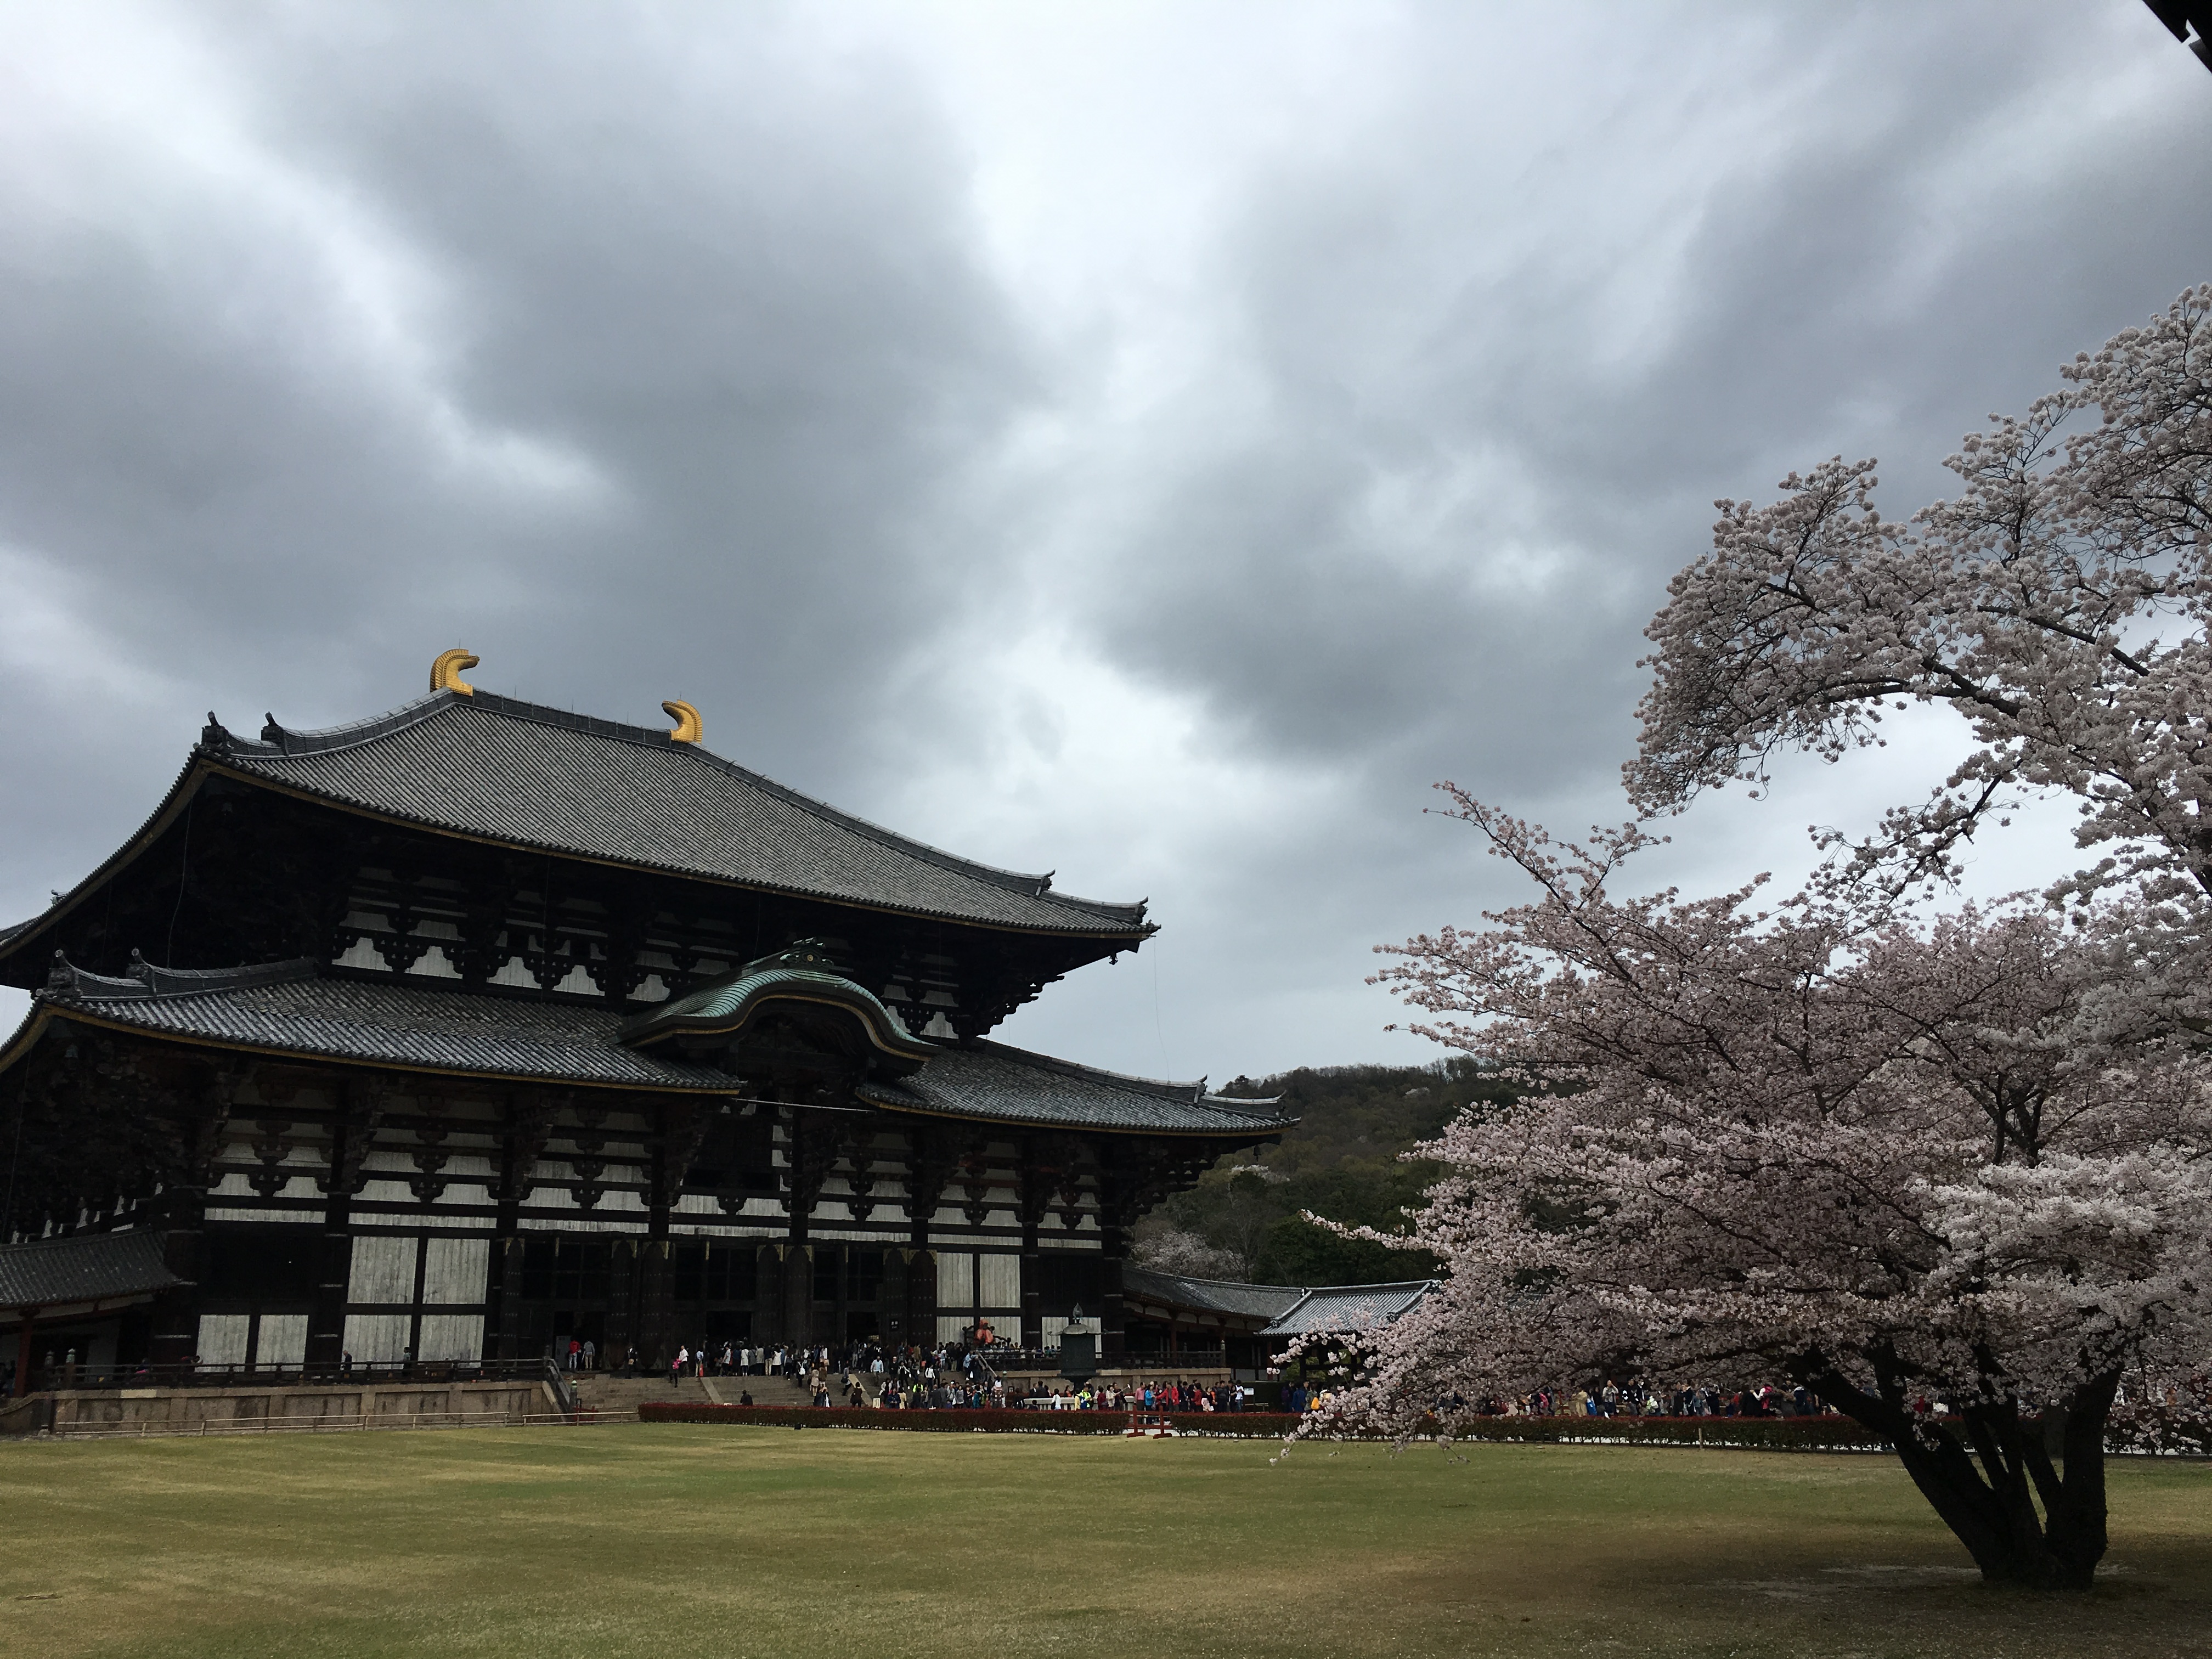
column 1150, row 444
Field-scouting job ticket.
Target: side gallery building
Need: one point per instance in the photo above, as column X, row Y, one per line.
column 480, row 1024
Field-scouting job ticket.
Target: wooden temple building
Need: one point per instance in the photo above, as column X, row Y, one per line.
column 479, row 1024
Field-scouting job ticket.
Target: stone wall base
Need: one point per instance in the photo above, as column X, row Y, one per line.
column 311, row 1405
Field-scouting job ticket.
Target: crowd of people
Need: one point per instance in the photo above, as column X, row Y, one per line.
column 1611, row 1399
column 952, row 1376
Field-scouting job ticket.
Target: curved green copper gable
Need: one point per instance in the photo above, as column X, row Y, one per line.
column 801, row 974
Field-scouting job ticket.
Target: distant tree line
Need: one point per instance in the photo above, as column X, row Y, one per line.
column 1245, row 1219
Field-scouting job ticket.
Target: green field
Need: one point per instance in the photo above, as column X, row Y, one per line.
column 684, row 1542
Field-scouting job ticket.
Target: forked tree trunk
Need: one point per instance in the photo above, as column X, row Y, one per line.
column 1986, row 1470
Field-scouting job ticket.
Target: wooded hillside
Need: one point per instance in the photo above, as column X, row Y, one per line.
column 1244, row 1220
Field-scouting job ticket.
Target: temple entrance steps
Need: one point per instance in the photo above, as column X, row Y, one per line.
column 604, row 1391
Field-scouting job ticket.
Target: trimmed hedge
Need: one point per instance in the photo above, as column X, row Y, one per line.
column 1805, row 1434
column 1271, row 1426
column 1760, row 1433
column 1774, row 1434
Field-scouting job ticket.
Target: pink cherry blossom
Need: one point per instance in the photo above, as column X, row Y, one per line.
column 1905, row 1157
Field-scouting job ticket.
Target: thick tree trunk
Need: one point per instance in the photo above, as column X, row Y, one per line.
column 2026, row 1519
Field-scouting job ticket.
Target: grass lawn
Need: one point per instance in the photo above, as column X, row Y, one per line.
column 701, row 1542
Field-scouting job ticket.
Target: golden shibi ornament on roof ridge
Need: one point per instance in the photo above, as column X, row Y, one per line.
column 446, row 672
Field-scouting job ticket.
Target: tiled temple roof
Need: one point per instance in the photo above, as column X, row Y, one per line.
column 1348, row 1309
column 91, row 1267
column 526, row 775
column 1264, row 1303
column 989, row 1080
column 289, row 1008
column 286, row 1008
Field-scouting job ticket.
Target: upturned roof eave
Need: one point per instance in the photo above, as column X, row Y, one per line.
column 203, row 766
column 188, row 780
column 1135, row 933
column 1231, row 1136
column 47, row 1011
column 1036, row 887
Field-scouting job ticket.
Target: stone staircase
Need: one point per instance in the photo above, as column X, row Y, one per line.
column 601, row 1391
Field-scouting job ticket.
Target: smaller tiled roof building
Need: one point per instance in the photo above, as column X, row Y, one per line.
column 1174, row 1315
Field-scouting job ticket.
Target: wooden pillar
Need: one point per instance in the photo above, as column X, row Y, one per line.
column 797, row 1288
column 656, row 1287
column 1116, row 1199
column 921, row 1294
column 326, row 1321
column 1036, row 1193
column 529, row 1120
column 352, row 1130
column 625, row 1293
column 678, row 1128
column 656, row 1301
column 812, row 1150
column 24, row 1333
column 892, row 1299
column 183, row 1210
column 930, row 1159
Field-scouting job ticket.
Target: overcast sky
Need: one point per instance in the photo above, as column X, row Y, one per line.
column 1150, row 442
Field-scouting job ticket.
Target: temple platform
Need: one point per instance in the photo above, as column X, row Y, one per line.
column 300, row 1408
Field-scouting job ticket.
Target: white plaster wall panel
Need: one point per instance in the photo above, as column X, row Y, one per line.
column 455, row 1269
column 459, row 1198
column 467, row 1166
column 1049, row 1329
column 434, row 963
column 956, row 1279
column 385, row 1191
column 221, row 1341
column 383, row 1269
column 451, row 1336
column 582, row 1224
column 376, row 1338
column 361, row 954
column 951, row 1328
column 515, row 972
column 232, row 1185
column 283, row 1340
column 999, row 1281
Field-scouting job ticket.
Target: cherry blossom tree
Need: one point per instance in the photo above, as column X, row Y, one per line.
column 2058, row 604
column 1909, row 1158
